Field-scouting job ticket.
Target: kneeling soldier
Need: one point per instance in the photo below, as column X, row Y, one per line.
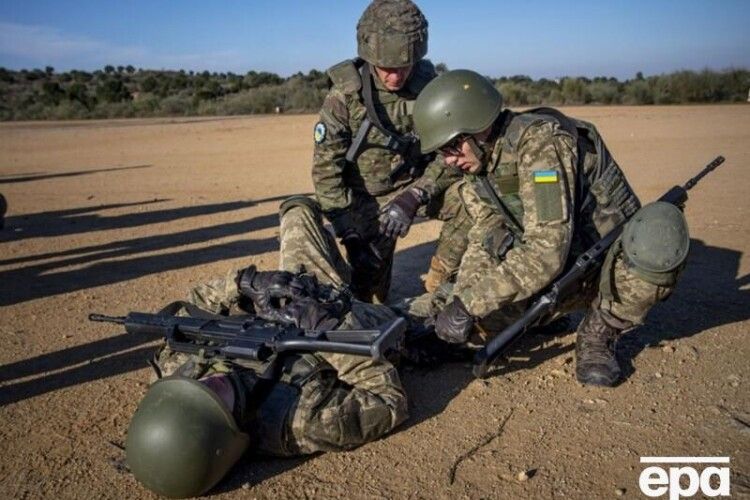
column 541, row 188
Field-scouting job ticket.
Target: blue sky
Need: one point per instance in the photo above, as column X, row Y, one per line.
column 539, row 38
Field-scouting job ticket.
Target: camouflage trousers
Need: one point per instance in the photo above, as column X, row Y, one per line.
column 451, row 244
column 323, row 401
column 619, row 290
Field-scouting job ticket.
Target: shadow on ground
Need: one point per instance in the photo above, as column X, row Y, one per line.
column 50, row 273
column 709, row 294
column 86, row 219
column 40, row 176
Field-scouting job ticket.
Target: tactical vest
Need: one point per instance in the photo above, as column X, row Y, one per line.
column 383, row 147
column 603, row 195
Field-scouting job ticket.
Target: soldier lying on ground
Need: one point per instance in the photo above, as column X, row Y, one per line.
column 541, row 188
column 370, row 178
column 320, row 401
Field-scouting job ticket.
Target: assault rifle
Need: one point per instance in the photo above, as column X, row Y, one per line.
column 569, row 283
column 252, row 338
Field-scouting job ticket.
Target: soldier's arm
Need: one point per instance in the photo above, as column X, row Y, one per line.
column 332, row 138
column 546, row 170
column 438, row 177
column 366, row 403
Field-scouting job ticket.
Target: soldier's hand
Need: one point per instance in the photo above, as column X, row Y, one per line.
column 454, row 323
column 309, row 314
column 266, row 289
column 397, row 215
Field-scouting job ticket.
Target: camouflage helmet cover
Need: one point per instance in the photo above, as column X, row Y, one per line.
column 457, row 102
column 182, row 439
column 656, row 238
column 392, row 34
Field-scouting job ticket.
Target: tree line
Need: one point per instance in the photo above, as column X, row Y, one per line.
column 124, row 91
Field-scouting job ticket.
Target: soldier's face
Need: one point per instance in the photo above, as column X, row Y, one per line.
column 459, row 154
column 393, row 78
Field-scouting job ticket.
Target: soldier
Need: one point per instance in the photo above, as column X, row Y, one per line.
column 540, row 189
column 370, row 178
column 193, row 426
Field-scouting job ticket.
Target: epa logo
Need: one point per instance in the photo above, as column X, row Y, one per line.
column 681, row 480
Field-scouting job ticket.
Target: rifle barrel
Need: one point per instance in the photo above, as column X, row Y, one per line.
column 120, row 320
column 706, row 170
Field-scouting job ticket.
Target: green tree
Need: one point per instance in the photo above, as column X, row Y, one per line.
column 574, row 91
column 112, row 90
column 52, row 93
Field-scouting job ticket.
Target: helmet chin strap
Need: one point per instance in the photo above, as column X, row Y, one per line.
column 477, row 150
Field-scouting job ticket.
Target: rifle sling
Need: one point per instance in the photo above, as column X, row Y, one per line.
column 492, row 194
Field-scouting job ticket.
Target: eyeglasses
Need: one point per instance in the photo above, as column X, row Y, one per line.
column 454, row 147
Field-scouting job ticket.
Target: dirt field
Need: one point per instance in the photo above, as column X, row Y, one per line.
column 127, row 215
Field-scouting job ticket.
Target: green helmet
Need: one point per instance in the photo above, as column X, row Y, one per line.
column 392, row 34
column 656, row 238
column 182, row 439
column 457, row 102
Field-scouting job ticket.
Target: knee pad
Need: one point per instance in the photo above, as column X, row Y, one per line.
column 299, row 200
column 656, row 240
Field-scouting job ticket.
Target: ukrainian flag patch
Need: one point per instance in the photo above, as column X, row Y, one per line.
column 545, row 176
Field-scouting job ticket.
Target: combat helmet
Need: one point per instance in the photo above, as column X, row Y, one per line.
column 656, row 238
column 392, row 34
column 457, row 102
column 182, row 439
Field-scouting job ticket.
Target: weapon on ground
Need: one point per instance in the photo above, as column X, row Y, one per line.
column 569, row 282
column 256, row 339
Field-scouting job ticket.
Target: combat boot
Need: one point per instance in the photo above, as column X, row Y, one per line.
column 438, row 274
column 595, row 351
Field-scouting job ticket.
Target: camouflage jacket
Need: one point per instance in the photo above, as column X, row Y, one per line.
column 336, row 180
column 563, row 203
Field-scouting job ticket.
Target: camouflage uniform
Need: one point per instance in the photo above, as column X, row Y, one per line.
column 360, row 189
column 533, row 166
column 323, row 401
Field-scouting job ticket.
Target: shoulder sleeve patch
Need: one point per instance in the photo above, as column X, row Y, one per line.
column 548, row 195
column 320, row 132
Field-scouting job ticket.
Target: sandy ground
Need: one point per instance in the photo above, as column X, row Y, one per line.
column 115, row 216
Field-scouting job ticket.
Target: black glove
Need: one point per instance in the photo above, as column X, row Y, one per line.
column 498, row 241
column 397, row 215
column 454, row 323
column 309, row 314
column 266, row 289
column 362, row 255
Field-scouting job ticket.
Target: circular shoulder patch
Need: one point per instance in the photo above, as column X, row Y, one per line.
column 320, row 132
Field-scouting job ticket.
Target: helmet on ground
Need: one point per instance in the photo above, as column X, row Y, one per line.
column 457, row 102
column 182, row 439
column 392, row 34
column 656, row 238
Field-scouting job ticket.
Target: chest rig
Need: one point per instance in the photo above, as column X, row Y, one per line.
column 377, row 129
